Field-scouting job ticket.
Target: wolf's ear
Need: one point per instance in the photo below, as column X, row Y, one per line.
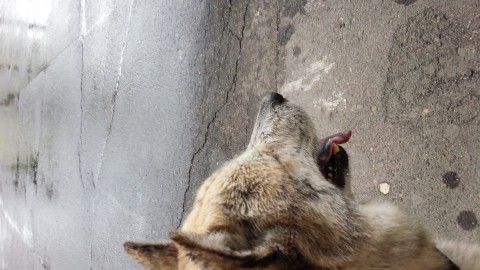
column 161, row 256
column 210, row 250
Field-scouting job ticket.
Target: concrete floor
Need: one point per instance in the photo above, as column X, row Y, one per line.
column 113, row 112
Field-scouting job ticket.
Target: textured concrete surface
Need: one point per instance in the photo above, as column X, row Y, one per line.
column 405, row 79
column 113, row 112
column 97, row 136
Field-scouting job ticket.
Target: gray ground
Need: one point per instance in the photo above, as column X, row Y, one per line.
column 112, row 114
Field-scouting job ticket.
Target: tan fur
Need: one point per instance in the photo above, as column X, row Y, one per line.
column 154, row 255
column 466, row 256
column 271, row 208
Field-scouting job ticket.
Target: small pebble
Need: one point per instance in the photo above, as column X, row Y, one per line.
column 468, row 73
column 384, row 188
column 374, row 108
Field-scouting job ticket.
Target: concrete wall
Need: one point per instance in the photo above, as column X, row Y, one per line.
column 98, row 136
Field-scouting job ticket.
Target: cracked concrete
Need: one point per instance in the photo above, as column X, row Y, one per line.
column 83, row 32
column 222, row 80
column 129, row 106
column 80, row 140
column 188, row 196
column 115, row 91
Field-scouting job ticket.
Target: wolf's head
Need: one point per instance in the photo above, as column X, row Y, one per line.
column 283, row 124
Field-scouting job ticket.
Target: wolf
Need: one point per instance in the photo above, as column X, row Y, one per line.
column 284, row 203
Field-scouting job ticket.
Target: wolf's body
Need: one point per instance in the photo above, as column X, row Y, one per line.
column 271, row 208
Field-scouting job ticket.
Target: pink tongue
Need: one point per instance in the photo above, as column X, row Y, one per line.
column 341, row 137
column 325, row 145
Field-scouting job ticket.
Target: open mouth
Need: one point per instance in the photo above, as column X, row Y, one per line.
column 332, row 159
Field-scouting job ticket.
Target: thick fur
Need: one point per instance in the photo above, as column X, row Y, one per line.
column 271, row 208
column 466, row 256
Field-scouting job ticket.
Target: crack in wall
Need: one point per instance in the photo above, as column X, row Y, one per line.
column 229, row 90
column 80, row 140
column 41, row 135
column 95, row 178
column 83, row 31
column 115, row 94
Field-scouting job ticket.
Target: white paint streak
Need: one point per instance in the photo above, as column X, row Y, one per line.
column 24, row 233
column 124, row 45
column 83, row 26
column 311, row 76
column 320, row 66
column 331, row 103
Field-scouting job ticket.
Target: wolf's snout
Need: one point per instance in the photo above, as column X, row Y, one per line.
column 274, row 98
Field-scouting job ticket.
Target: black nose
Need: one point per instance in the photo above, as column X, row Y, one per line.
column 273, row 97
